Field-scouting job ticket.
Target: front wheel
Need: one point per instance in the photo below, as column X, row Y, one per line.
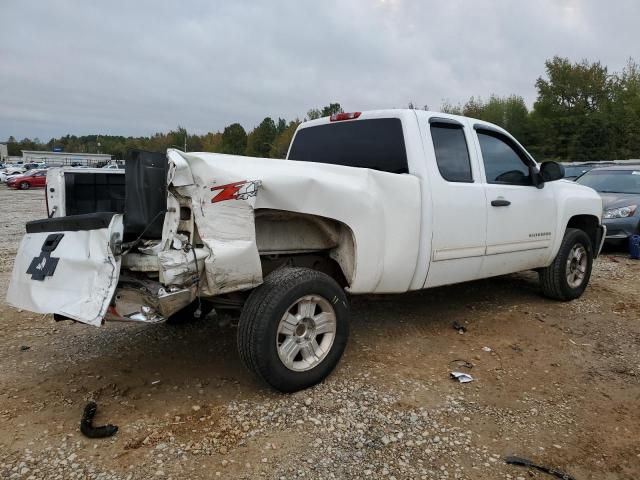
column 293, row 328
column 567, row 277
column 25, row 186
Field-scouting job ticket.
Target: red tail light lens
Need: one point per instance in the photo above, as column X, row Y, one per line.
column 336, row 117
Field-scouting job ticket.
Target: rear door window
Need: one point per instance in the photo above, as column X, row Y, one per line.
column 452, row 155
column 377, row 144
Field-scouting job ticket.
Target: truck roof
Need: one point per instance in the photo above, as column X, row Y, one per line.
column 401, row 112
column 405, row 114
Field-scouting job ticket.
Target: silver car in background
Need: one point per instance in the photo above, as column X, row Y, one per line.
column 619, row 188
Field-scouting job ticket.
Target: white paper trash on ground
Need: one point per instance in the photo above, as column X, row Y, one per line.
column 462, row 377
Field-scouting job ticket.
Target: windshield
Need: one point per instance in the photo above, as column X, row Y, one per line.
column 612, row 181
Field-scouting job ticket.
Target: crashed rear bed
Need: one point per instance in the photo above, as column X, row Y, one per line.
column 208, row 227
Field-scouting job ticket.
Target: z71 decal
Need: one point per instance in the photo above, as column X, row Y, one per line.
column 236, row 191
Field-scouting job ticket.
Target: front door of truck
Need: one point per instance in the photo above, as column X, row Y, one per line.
column 521, row 219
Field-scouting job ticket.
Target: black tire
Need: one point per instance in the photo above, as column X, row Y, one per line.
column 25, row 185
column 553, row 279
column 187, row 314
column 261, row 316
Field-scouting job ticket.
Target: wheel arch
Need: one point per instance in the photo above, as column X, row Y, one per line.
column 306, row 240
column 590, row 224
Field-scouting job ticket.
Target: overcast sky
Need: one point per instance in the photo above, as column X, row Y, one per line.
column 138, row 67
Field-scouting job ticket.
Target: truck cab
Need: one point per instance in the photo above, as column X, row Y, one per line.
column 486, row 207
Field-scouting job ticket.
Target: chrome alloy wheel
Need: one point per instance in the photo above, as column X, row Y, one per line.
column 306, row 333
column 576, row 266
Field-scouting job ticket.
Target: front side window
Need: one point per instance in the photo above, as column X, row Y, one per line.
column 452, row 155
column 503, row 164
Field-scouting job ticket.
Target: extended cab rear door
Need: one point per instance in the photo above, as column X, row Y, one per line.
column 457, row 198
column 68, row 265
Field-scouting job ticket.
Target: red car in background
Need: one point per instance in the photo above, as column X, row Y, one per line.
column 30, row 179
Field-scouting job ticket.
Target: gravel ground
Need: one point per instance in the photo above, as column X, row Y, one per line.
column 558, row 383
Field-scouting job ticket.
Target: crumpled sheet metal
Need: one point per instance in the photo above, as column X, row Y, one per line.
column 82, row 285
column 227, row 228
column 177, row 267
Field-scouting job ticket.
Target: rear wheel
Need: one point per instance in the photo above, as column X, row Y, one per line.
column 25, row 185
column 568, row 276
column 293, row 328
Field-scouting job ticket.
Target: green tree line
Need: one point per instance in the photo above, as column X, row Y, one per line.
column 582, row 112
column 270, row 138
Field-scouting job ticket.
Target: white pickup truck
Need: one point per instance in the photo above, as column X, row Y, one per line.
column 375, row 202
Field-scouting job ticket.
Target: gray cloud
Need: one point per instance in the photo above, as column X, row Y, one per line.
column 139, row 67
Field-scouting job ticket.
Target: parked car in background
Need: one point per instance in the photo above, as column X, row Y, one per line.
column 31, row 179
column 573, row 170
column 11, row 170
column 33, row 166
column 9, row 177
column 619, row 188
column 112, row 166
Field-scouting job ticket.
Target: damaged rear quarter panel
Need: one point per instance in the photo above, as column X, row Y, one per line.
column 381, row 209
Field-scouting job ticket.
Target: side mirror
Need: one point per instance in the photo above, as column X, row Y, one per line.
column 550, row 171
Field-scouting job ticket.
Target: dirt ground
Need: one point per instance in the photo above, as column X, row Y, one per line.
column 560, row 385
